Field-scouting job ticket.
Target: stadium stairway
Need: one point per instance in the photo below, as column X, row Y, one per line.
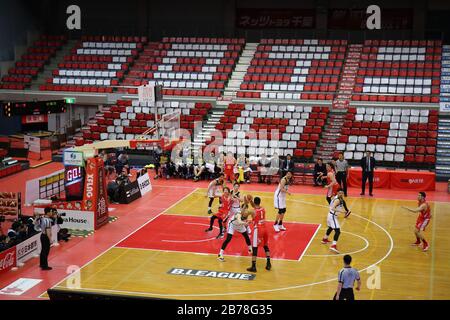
column 209, row 126
column 348, row 78
column 330, row 135
column 46, row 73
column 237, row 77
column 443, row 148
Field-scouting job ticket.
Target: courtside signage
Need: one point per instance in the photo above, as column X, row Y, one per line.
column 211, row 274
column 73, row 158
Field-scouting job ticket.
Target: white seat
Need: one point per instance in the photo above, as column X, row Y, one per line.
column 358, row 155
column 378, row 156
column 399, row 157
column 362, row 139
column 400, row 149
column 351, row 147
column 348, row 155
column 390, row 148
column 388, row 157
column 361, row 147
column 370, row 147
column 340, row 146
column 380, row 148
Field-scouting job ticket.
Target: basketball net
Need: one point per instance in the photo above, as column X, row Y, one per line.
column 165, row 133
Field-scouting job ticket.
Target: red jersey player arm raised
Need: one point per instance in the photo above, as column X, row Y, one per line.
column 420, row 208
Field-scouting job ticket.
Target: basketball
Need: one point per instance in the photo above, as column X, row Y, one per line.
column 248, row 198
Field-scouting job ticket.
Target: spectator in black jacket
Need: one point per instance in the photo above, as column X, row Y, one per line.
column 3, row 244
column 288, row 165
column 320, row 170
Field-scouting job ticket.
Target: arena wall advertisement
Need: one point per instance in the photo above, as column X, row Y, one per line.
column 7, row 260
column 74, row 219
column 28, row 248
column 145, row 185
column 44, row 187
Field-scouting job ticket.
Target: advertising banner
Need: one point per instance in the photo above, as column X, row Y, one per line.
column 73, row 158
column 275, row 18
column 25, row 250
column 33, row 144
column 95, row 196
column 413, row 180
column 44, row 187
column 73, row 219
column 381, row 178
column 144, row 184
column 7, row 260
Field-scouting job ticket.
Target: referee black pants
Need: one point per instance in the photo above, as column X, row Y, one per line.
column 346, row 294
column 341, row 178
column 45, row 250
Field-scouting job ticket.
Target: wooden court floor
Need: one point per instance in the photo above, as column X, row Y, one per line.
column 378, row 235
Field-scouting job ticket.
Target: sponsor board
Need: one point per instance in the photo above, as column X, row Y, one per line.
column 20, row 286
column 44, row 187
column 75, row 219
column 144, row 184
column 73, row 158
column 444, row 106
column 7, row 260
column 28, row 248
column 146, row 93
column 212, row 274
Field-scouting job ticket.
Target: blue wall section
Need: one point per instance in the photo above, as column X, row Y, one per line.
column 15, row 19
column 9, row 125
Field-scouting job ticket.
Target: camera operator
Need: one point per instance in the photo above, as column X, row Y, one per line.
column 43, row 223
column 63, row 233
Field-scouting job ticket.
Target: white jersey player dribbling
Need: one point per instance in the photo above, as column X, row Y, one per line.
column 279, row 201
column 336, row 207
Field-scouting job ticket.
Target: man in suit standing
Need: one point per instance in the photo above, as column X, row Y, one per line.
column 288, row 165
column 367, row 166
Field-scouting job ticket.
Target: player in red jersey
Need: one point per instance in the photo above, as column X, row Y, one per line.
column 229, row 164
column 422, row 220
column 260, row 235
column 333, row 187
column 224, row 209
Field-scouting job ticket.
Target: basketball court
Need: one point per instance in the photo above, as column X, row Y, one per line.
column 377, row 234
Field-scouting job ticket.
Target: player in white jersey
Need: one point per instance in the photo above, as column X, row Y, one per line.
column 336, row 207
column 279, row 199
column 214, row 190
column 239, row 224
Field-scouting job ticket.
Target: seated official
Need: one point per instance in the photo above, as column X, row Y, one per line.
column 320, row 170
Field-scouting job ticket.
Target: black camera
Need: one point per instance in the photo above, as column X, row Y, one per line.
column 62, row 214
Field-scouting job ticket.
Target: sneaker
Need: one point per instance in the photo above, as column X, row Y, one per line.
column 370, row 194
column 347, row 214
column 426, row 247
column 417, row 243
column 209, row 211
column 209, row 229
column 325, row 241
column 276, row 228
column 268, row 266
column 334, row 248
column 46, row 268
column 251, row 269
column 220, row 258
column 220, row 236
column 282, row 228
column 250, row 251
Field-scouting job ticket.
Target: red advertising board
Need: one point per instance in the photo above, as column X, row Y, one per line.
column 248, row 18
column 95, row 196
column 7, row 260
column 381, row 178
column 413, row 180
column 34, row 118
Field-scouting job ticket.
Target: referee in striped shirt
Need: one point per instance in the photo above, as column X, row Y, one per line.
column 346, row 279
column 44, row 225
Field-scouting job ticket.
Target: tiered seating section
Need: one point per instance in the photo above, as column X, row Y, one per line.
column 299, row 129
column 399, row 71
column 129, row 119
column 96, row 64
column 186, row 66
column 294, row 69
column 25, row 70
column 393, row 134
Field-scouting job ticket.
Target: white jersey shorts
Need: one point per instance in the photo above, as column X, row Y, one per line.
column 279, row 200
column 214, row 192
column 332, row 221
column 241, row 228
